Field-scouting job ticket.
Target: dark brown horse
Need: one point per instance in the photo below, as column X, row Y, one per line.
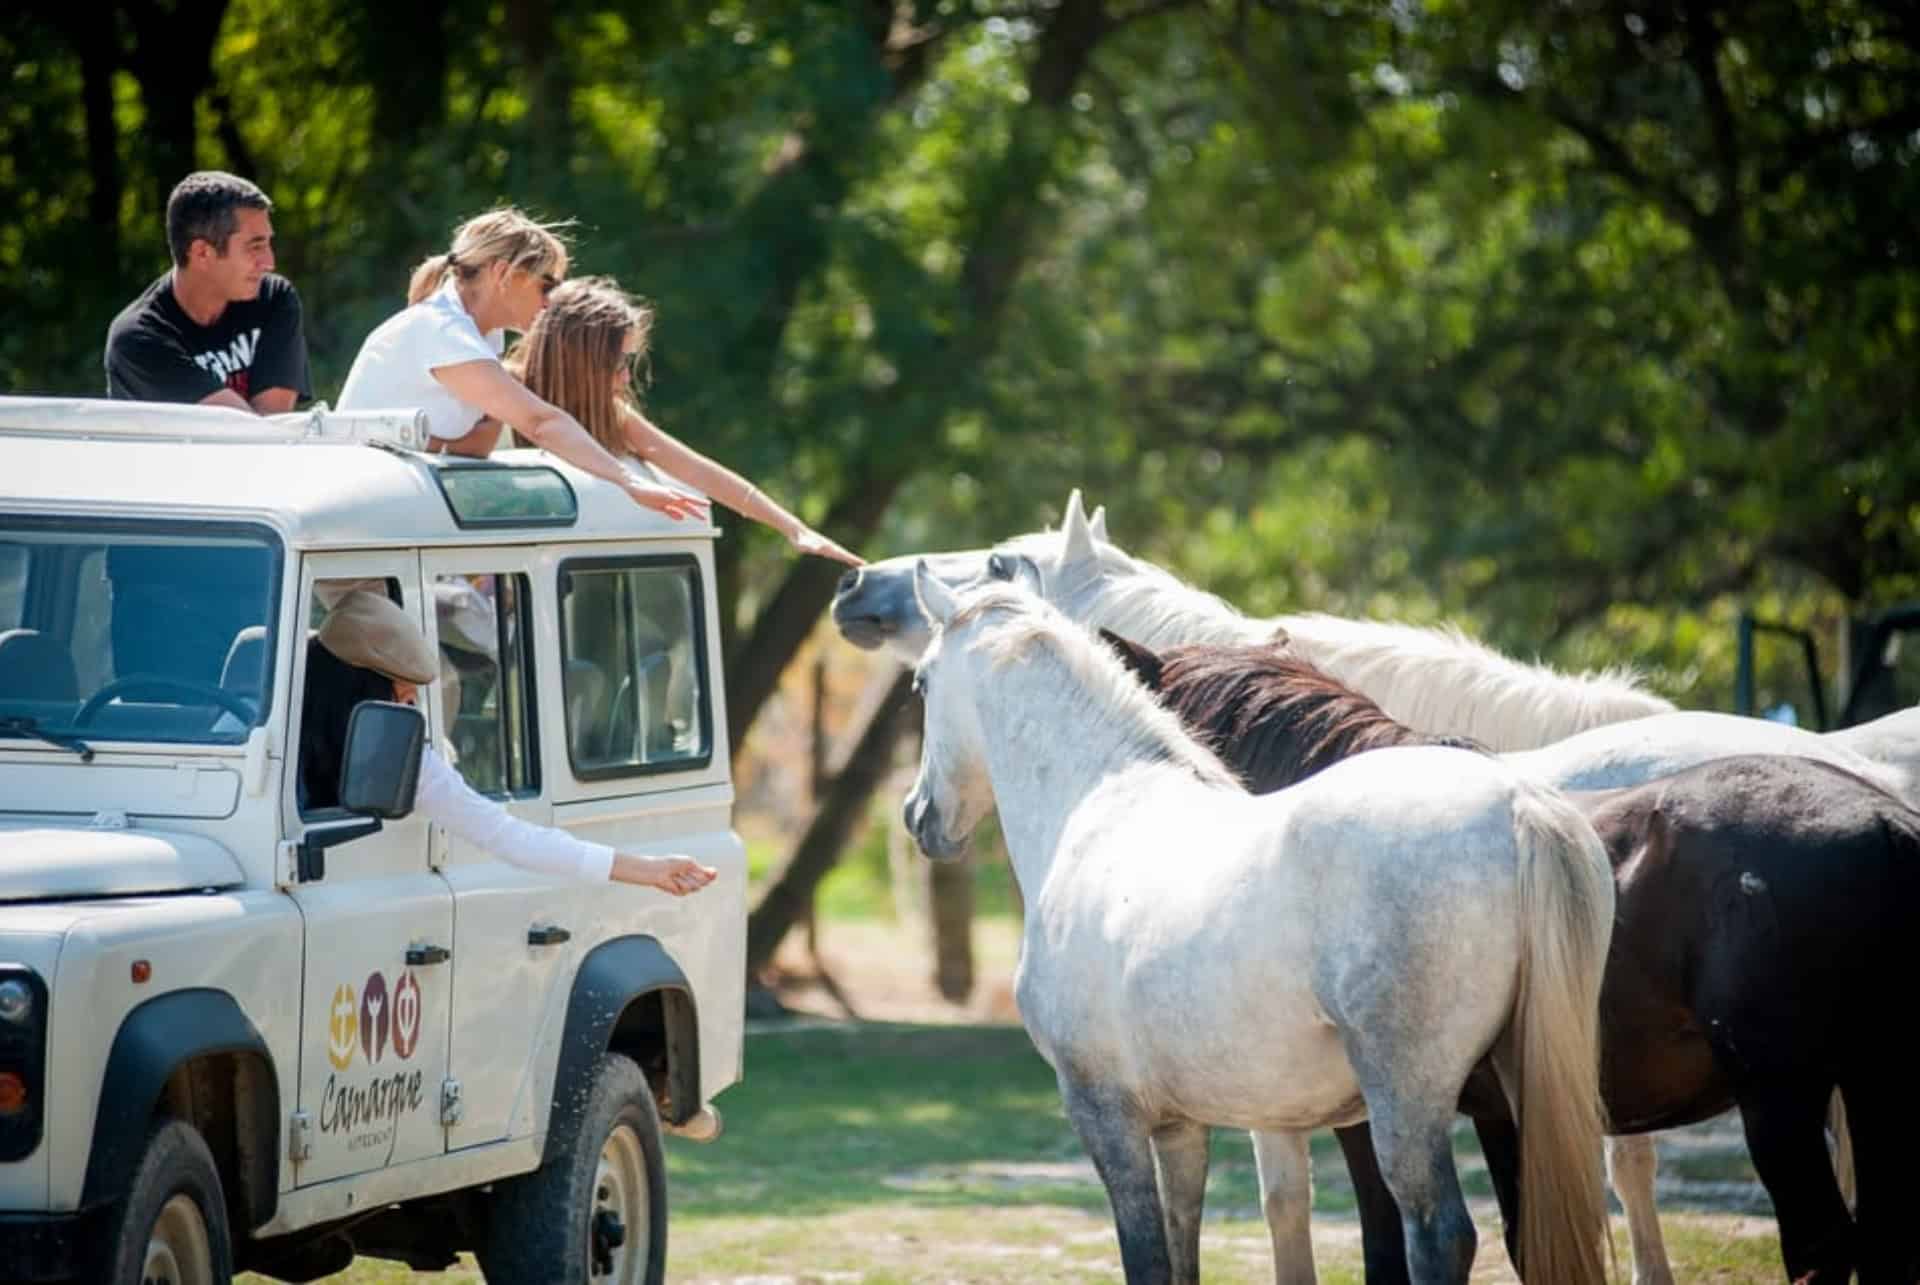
column 1766, row 913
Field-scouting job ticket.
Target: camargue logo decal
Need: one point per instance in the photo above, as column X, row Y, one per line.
column 382, row 1024
column 373, row 1018
column 341, row 1024
column 406, row 1016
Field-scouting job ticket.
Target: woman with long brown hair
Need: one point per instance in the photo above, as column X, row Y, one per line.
column 582, row 354
column 441, row 354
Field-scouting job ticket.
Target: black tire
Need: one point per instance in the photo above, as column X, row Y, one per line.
column 547, row 1225
column 155, row 1232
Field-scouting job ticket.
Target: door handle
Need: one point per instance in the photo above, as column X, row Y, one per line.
column 419, row 954
column 547, row 935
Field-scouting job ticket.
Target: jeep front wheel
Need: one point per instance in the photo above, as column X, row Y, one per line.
column 171, row 1229
column 597, row 1210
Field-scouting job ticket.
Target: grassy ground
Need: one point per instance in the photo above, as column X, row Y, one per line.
column 883, row 1152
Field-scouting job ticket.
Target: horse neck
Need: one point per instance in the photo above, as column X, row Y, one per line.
column 1150, row 607
column 1050, row 742
column 1444, row 684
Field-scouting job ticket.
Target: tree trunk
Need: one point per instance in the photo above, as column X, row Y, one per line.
column 1006, row 222
column 786, row 899
column 545, row 79
column 95, row 42
column 755, row 666
column 1001, row 239
column 172, row 59
column 951, row 895
column 406, row 58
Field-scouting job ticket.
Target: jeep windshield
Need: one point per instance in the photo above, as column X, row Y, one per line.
column 135, row 630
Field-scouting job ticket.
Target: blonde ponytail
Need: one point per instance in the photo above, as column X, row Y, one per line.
column 427, row 277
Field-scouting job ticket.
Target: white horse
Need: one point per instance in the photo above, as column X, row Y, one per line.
column 1195, row 955
column 1435, row 681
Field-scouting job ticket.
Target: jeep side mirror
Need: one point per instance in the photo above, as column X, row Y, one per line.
column 381, row 768
column 378, row 776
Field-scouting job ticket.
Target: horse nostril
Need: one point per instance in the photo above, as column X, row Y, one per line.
column 849, row 580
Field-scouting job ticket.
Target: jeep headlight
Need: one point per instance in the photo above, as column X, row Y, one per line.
column 16, row 1002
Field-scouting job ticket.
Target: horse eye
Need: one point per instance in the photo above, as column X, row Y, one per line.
column 919, row 684
column 999, row 566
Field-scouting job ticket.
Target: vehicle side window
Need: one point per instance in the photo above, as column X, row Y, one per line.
column 331, row 690
column 486, row 680
column 633, row 664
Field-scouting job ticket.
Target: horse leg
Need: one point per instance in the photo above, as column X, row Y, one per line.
column 1114, row 1132
column 1785, row 1138
column 1500, row 1146
column 1412, row 1135
column 1382, row 1244
column 1180, row 1155
column 1631, row 1165
column 1416, row 1158
column 1286, row 1195
column 1884, row 1151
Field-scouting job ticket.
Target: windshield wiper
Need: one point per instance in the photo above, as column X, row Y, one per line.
column 20, row 725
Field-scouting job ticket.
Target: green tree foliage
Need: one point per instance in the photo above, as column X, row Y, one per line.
column 1580, row 323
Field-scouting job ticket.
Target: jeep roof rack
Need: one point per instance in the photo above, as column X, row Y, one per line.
column 162, row 421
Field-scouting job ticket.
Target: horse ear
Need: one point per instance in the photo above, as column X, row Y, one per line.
column 1098, row 524
column 1074, row 530
column 936, row 600
column 1143, row 661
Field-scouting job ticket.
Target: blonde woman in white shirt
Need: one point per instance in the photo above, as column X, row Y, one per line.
column 369, row 649
column 583, row 354
column 442, row 354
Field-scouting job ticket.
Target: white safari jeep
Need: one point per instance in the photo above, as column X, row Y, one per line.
column 237, row 1033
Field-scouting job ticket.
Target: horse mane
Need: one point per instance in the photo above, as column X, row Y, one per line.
column 1443, row 681
column 1143, row 726
column 1436, row 680
column 1152, row 606
column 1275, row 717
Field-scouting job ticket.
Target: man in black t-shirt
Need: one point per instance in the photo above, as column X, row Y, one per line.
column 219, row 328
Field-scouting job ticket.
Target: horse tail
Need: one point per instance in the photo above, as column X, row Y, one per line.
column 1566, row 923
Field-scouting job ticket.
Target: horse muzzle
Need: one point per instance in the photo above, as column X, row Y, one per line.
column 859, row 619
column 923, row 823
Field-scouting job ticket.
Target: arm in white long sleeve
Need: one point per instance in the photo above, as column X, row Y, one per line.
column 445, row 798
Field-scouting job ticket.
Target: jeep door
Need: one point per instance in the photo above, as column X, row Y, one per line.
column 492, row 620
column 376, row 994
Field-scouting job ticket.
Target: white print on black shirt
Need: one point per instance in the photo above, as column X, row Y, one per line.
column 236, row 360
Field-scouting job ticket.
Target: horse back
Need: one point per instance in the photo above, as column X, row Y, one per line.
column 1771, row 898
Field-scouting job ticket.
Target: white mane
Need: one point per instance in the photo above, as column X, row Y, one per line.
column 1441, row 681
column 1436, row 681
column 1124, row 713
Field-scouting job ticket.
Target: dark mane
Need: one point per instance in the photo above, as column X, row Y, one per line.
column 1276, row 719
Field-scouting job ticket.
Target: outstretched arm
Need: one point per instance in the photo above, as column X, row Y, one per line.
column 487, row 385
column 675, row 458
column 445, row 798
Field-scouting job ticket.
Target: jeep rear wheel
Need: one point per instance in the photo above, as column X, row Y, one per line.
column 596, row 1212
column 171, row 1229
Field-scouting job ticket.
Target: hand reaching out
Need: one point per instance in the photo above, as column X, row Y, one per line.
column 807, row 540
column 676, row 875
